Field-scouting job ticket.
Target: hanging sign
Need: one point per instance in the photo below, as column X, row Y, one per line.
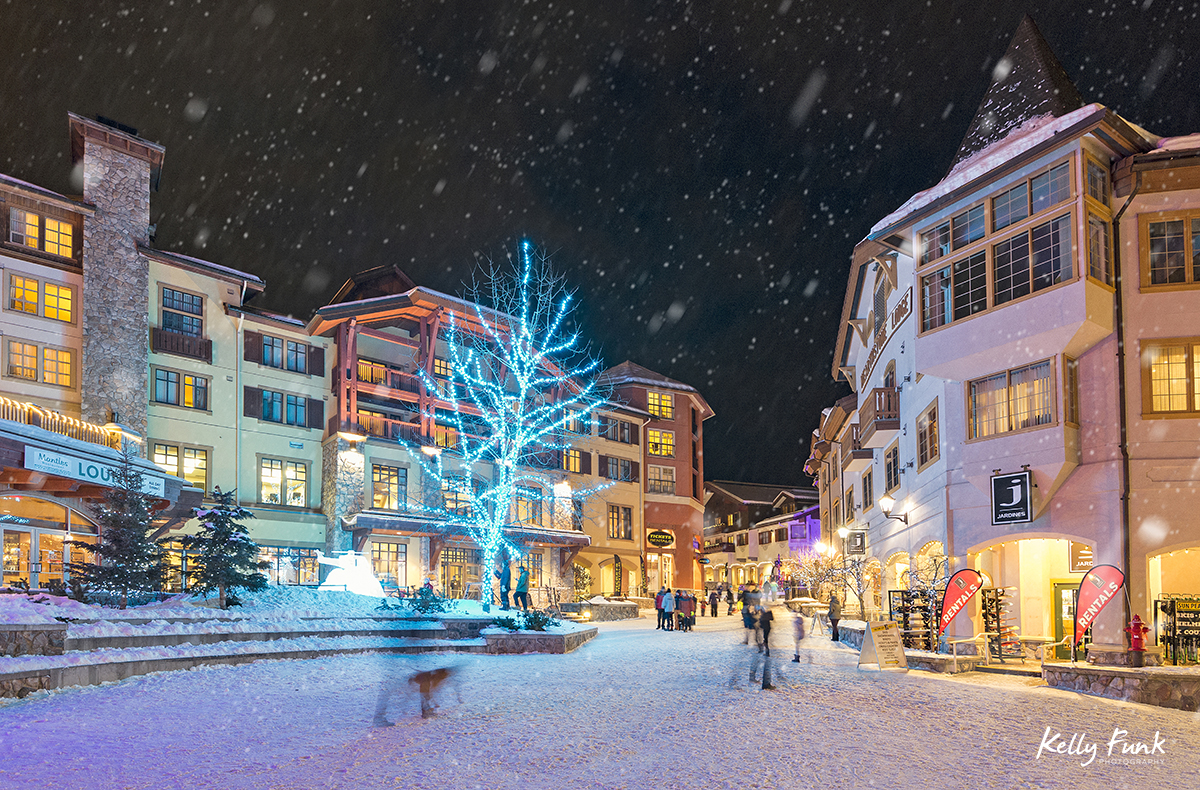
column 1081, row 557
column 1011, row 501
column 856, row 543
column 961, row 587
column 618, row 575
column 660, row 538
column 882, row 646
column 1098, row 586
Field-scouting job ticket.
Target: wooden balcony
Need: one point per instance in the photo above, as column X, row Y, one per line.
column 879, row 417
column 167, row 342
column 29, row 414
column 719, row 548
column 855, row 457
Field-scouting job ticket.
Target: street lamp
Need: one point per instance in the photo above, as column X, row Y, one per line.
column 886, row 503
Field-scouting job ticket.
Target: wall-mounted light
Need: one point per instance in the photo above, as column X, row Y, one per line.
column 886, row 503
column 430, row 450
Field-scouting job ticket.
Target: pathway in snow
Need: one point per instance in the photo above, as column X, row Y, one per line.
column 635, row 708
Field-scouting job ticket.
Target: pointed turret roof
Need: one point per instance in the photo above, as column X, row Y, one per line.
column 1028, row 82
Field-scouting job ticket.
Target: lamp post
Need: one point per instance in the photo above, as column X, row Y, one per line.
column 843, row 533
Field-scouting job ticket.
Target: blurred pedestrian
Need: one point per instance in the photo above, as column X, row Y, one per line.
column 658, row 607
column 521, row 595
column 714, row 601
column 835, row 614
column 668, row 605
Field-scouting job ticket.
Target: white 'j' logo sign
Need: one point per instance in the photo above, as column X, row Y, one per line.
column 1010, row 499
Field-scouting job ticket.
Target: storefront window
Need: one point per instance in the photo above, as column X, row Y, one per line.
column 289, row 565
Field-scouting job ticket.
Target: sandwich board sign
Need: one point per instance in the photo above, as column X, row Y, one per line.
column 882, row 646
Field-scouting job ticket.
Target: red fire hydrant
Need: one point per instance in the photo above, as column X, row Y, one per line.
column 1137, row 631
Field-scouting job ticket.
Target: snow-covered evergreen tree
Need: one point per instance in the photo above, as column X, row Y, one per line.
column 519, row 379
column 225, row 558
column 131, row 560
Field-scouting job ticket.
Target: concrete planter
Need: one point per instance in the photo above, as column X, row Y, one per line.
column 604, row 612
column 537, row 642
column 32, row 640
column 1162, row 687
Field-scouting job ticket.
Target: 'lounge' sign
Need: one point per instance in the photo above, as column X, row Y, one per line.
column 41, row 460
column 1011, row 500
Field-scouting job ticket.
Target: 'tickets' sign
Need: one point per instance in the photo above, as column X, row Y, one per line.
column 959, row 590
column 1098, row 586
column 660, row 538
column 1011, row 501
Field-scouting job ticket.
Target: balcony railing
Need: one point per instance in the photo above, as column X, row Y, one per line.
column 29, row 414
column 855, row 457
column 388, row 376
column 167, row 342
column 879, row 416
column 661, row 450
column 385, row 427
column 718, row 548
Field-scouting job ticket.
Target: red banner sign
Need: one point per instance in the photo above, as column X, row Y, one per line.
column 1098, row 586
column 959, row 590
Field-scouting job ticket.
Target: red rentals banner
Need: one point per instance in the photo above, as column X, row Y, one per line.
column 959, row 590
column 1098, row 586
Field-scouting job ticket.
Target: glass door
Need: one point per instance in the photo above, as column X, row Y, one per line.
column 51, row 557
column 17, row 546
column 1064, row 617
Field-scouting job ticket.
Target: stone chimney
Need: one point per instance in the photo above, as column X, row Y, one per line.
column 119, row 170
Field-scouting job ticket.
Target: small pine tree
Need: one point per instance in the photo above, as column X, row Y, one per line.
column 225, row 556
column 131, row 560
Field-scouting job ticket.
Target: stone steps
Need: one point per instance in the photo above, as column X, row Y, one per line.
column 170, row 640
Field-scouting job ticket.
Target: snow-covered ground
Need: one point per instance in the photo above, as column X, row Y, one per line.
column 634, row 708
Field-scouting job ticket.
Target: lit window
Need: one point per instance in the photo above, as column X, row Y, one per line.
column 441, row 367
column 529, row 505
column 22, row 360
column 661, row 443
column 389, row 487
column 1171, row 376
column 661, row 480
column 190, row 463
column 58, row 304
column 58, row 237
column 620, row 522
column 445, row 436
column 56, row 366
column 283, row 482
column 180, row 389
column 661, row 405
column 1010, row 401
column 24, row 228
column 572, row 461
column 1071, row 383
column 23, row 294
column 167, row 458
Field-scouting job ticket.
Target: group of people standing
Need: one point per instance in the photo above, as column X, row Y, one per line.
column 676, row 610
column 521, row 593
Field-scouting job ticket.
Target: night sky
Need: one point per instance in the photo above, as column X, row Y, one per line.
column 699, row 171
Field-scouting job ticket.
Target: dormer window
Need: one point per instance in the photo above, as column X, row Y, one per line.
column 32, row 230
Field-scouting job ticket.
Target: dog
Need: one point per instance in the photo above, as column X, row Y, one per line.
column 428, row 682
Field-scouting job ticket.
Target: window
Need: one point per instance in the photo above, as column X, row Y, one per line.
column 661, row 405
column 1071, row 386
column 272, row 406
column 534, row 564
column 849, row 499
column 661, row 443
column 182, row 312
column 577, row 515
column 1009, row 207
column 620, row 522
column 955, row 292
column 619, row 469
column 283, row 482
column 781, row 535
column 529, row 505
column 441, row 367
column 456, row 496
column 1049, row 188
column 1032, row 261
column 927, row 437
column 445, row 436
column 26, row 229
column 390, row 563
column 661, row 480
column 22, row 360
column 23, row 294
column 935, row 243
column 880, row 305
column 1171, row 377
column 1097, row 182
column 56, row 366
column 837, row 513
column 296, row 411
column 297, row 358
column 190, row 463
column 389, row 487
column 572, row 461
column 764, row 537
column 743, row 538
column 868, row 490
column 616, row 430
column 891, row 468
column 967, row 227
column 577, row 425
column 1011, row 401
column 289, row 565
column 56, row 301
column 1170, row 244
column 1099, row 257
column 272, row 351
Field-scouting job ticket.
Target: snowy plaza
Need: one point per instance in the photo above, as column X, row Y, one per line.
column 633, row 708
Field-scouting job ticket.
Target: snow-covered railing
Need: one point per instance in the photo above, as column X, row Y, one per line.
column 31, row 414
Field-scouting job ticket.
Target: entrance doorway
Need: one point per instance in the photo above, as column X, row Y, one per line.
column 460, row 568
column 1065, row 594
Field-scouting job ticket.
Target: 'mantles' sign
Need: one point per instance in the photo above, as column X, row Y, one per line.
column 1011, row 500
column 75, row 468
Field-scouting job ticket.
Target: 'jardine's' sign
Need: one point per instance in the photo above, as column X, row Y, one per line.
column 660, row 538
column 41, row 460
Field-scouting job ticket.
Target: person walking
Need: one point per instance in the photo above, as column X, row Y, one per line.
column 686, row 609
column 658, row 600
column 835, row 614
column 505, row 577
column 801, row 630
column 703, row 604
column 521, row 596
column 714, row 601
column 729, row 599
column 668, row 608
column 765, row 618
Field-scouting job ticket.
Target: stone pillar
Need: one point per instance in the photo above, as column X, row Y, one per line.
column 118, row 169
column 343, row 483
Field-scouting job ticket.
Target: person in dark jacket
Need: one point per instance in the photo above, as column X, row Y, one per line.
column 835, row 614
column 714, row 600
column 521, row 596
column 505, row 577
column 668, row 604
column 729, row 599
column 659, row 608
column 765, row 617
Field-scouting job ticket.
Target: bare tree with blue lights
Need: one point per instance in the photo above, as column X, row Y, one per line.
column 520, row 382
